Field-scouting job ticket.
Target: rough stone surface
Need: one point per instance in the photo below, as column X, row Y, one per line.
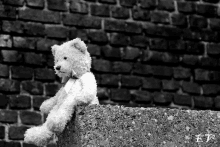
column 150, row 127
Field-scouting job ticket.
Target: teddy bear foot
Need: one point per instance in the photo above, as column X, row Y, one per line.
column 39, row 136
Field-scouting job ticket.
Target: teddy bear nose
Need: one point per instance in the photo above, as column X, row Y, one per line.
column 58, row 67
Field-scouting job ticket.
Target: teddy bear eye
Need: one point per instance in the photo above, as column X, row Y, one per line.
column 64, row 58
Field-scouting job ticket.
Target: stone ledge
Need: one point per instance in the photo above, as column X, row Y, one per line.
column 149, row 127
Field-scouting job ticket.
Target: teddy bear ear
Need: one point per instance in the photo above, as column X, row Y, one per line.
column 54, row 47
column 80, row 45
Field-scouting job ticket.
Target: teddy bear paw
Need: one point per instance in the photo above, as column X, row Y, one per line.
column 56, row 124
column 39, row 136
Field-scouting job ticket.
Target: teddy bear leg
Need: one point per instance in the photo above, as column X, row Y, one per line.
column 39, row 136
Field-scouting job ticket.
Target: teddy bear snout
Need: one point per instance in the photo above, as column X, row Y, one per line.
column 58, row 67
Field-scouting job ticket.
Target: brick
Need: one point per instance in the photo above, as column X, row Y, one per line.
column 140, row 14
column 21, row 72
column 50, row 60
column 164, row 31
column 80, row 33
column 94, row 50
column 158, row 44
column 141, row 96
column 162, row 71
column 7, row 116
column 214, row 24
column 13, row 26
column 51, row 89
column 131, row 81
column 100, row 10
column 12, row 2
column 121, row 26
column 34, row 29
column 20, row 27
column 160, row 17
column 198, row 22
column 35, row 4
column 4, row 72
column 133, row 27
column 109, row 80
column 186, row 7
column 34, row 59
column 108, row 1
column 208, row 62
column 111, row 52
column 45, row 44
column 211, row 1
column 152, row 84
column 20, row 102
column 44, row 74
column 39, row 15
column 102, row 93
column 59, row 5
column 4, row 99
column 98, row 37
column 181, row 73
column 177, row 45
column 214, row 76
column 148, row 4
column 190, row 60
column 166, row 5
column 191, row 88
column 217, row 102
column 56, row 31
column 24, row 42
column 12, row 144
column 185, row 100
column 206, row 10
column 210, row 89
column 2, row 132
column 11, row 86
column 142, row 69
column 162, row 98
column 79, row 7
column 203, row 102
column 153, row 57
column 179, row 20
column 11, row 56
column 30, row 118
column 118, row 39
column 37, row 101
column 170, row 85
column 120, row 12
column 121, row 67
column 202, row 75
column 120, row 95
column 128, row 3
column 17, row 132
column 28, row 145
column 5, row 41
column 213, row 49
column 130, row 53
column 82, row 21
column 35, row 88
column 208, row 35
column 101, row 65
column 195, row 48
column 7, row 12
column 139, row 41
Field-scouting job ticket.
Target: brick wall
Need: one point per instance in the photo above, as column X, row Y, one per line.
column 145, row 53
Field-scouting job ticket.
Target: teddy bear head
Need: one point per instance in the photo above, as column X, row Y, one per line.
column 71, row 59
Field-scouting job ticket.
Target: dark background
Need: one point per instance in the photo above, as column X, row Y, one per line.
column 146, row 53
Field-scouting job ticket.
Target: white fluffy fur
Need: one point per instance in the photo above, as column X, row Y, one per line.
column 61, row 107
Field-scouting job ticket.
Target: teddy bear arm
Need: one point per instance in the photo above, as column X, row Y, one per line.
column 48, row 104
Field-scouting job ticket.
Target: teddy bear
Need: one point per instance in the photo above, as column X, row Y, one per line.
column 72, row 64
